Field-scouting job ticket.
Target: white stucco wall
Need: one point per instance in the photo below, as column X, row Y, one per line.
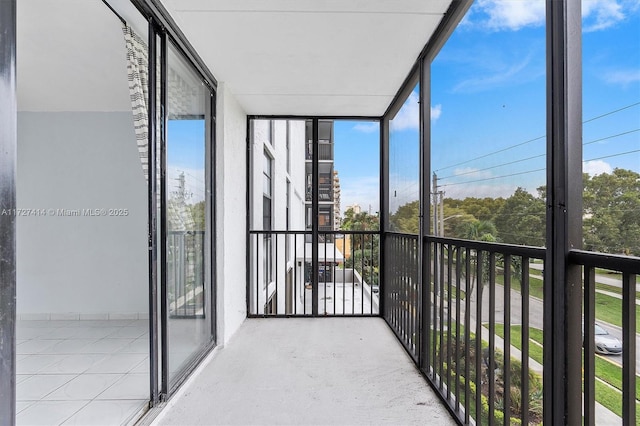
column 231, row 211
column 80, row 266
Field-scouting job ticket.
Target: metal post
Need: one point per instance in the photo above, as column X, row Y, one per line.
column 314, row 221
column 383, row 282
column 424, row 279
column 152, row 193
column 8, row 160
column 162, row 153
column 562, row 281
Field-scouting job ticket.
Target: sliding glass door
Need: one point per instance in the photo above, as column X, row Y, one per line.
column 187, row 200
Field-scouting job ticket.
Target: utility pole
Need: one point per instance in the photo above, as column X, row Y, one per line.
column 434, row 192
column 438, row 208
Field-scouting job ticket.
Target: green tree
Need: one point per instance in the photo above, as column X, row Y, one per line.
column 611, row 222
column 406, row 218
column 522, row 219
column 478, row 230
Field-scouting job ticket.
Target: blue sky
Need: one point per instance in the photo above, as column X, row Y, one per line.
column 357, row 160
column 185, row 154
column 488, row 100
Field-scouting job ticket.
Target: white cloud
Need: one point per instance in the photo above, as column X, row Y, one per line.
column 436, row 112
column 596, row 167
column 601, row 14
column 409, row 115
column 366, row 127
column 515, row 72
column 622, row 77
column 512, row 15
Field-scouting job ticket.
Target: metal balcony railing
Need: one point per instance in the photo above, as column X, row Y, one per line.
column 471, row 317
column 185, row 274
column 325, row 151
column 628, row 268
column 282, row 281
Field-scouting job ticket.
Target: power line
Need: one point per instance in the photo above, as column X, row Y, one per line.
column 535, row 139
column 538, row 156
column 611, row 112
column 494, row 177
column 493, row 167
column 613, row 155
column 610, row 137
column 491, row 153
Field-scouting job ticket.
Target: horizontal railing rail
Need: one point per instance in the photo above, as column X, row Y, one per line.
column 282, row 282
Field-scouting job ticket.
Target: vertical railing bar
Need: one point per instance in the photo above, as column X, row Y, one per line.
column 492, row 337
column 416, row 308
column 525, row 342
column 434, row 323
column 589, row 345
column 411, row 302
column 304, row 276
column 324, row 273
column 275, row 290
column 457, row 354
column 413, row 312
column 295, row 274
column 449, row 288
column 467, row 336
column 344, row 279
column 371, row 275
column 407, row 291
column 478, row 337
column 506, row 374
column 392, row 274
column 442, row 300
column 333, row 273
column 629, row 352
column 353, row 276
column 362, row 244
column 268, row 280
column 401, row 289
column 257, row 273
column 401, row 269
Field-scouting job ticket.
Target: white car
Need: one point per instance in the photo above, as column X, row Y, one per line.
column 605, row 343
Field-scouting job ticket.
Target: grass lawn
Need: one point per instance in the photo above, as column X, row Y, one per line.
column 535, row 285
column 609, row 309
column 604, row 369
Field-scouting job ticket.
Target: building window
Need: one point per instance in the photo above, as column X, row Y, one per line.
column 288, row 146
column 287, row 247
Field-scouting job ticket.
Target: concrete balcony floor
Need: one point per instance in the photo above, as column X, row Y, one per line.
column 307, row 371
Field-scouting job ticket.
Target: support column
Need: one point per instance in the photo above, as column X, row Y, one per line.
column 8, row 159
column 562, row 281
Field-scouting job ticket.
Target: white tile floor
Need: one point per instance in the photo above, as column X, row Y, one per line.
column 81, row 372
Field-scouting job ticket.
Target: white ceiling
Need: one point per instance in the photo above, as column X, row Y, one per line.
column 309, row 57
column 70, row 57
column 300, row 57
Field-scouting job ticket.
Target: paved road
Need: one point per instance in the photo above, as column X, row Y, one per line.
column 535, row 316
